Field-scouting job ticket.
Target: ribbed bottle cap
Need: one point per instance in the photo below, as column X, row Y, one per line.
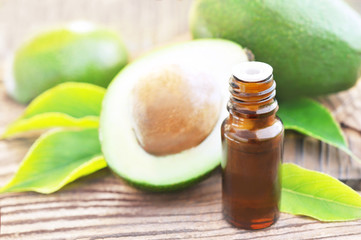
column 252, row 71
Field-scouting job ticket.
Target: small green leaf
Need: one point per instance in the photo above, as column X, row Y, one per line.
column 315, row 194
column 57, row 158
column 66, row 105
column 49, row 120
column 311, row 118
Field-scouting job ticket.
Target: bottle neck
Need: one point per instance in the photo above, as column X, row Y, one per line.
column 252, row 103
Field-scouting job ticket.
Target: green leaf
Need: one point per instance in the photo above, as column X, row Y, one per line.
column 66, row 105
column 315, row 194
column 311, row 118
column 57, row 158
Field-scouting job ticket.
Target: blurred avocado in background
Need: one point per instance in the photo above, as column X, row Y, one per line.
column 314, row 46
column 16, row 25
column 77, row 52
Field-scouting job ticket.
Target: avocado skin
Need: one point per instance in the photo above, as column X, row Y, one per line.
column 313, row 46
column 145, row 186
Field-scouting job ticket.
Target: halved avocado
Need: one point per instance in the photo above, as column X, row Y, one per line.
column 161, row 116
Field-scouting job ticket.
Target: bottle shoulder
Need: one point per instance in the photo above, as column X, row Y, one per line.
column 261, row 133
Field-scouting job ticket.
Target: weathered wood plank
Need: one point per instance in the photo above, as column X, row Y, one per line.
column 102, row 206
column 345, row 106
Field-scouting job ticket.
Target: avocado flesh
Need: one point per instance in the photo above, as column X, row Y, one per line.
column 313, row 46
column 121, row 149
column 78, row 52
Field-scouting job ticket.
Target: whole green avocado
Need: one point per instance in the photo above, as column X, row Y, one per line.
column 314, row 46
column 77, row 52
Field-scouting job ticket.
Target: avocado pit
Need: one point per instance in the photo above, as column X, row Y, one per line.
column 174, row 108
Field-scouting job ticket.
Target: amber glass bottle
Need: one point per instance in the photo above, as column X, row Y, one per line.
column 252, row 138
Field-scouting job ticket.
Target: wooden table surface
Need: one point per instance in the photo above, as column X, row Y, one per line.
column 102, row 206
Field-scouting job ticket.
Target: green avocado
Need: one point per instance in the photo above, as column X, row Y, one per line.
column 161, row 115
column 314, row 46
column 77, row 52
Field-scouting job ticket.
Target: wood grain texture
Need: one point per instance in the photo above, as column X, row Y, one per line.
column 102, row 206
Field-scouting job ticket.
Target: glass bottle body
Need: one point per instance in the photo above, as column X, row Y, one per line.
column 252, row 141
column 251, row 176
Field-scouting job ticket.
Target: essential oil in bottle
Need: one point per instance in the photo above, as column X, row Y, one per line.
column 252, row 140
